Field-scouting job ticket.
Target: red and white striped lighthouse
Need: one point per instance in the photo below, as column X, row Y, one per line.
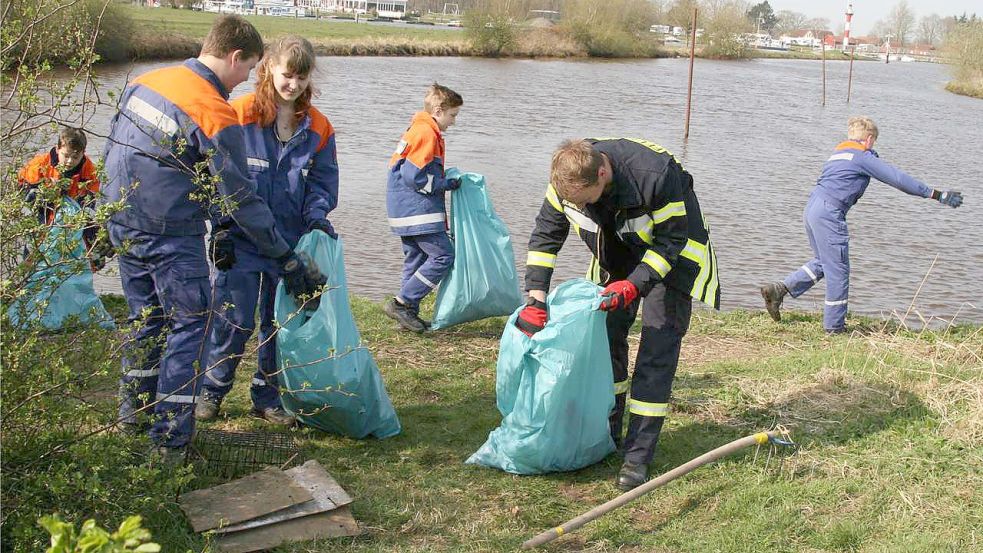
column 846, row 30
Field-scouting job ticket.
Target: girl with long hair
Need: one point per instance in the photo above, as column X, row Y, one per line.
column 290, row 149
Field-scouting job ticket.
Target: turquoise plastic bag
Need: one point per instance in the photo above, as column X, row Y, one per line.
column 554, row 390
column 483, row 281
column 62, row 286
column 328, row 378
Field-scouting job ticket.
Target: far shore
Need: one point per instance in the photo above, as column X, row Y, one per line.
column 177, row 34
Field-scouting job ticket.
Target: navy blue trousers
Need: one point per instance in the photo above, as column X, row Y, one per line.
column 165, row 281
column 238, row 292
column 428, row 259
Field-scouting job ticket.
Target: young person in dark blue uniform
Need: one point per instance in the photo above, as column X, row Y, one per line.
column 844, row 179
column 290, row 150
column 634, row 206
column 175, row 156
column 415, row 204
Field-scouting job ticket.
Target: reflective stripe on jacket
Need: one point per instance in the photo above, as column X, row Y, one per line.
column 176, row 154
column 847, row 173
column 83, row 184
column 298, row 180
column 647, row 228
column 416, row 186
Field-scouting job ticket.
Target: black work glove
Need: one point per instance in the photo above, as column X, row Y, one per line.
column 301, row 276
column 950, row 198
column 100, row 249
column 454, row 184
column 322, row 225
column 221, row 249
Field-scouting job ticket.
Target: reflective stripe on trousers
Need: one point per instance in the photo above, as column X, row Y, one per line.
column 829, row 238
column 665, row 319
column 428, row 259
column 166, row 278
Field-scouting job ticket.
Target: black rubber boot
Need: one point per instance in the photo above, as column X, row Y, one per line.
column 773, row 294
column 631, row 476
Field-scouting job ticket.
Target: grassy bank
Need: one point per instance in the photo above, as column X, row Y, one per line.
column 966, row 88
column 890, row 425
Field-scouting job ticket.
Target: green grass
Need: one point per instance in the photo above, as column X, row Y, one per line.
column 889, row 424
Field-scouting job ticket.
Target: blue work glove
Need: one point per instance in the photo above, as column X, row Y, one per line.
column 950, row 198
column 301, row 276
column 322, row 225
column 221, row 249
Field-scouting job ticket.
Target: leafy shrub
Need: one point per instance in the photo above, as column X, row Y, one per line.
column 130, row 538
column 489, row 35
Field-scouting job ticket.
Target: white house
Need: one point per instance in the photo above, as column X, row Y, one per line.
column 395, row 9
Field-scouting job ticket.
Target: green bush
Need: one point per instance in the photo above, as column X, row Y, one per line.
column 64, row 32
column 130, row 538
column 489, row 35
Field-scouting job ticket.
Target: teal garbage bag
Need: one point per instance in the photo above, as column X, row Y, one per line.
column 483, row 281
column 61, row 287
column 554, row 390
column 328, row 378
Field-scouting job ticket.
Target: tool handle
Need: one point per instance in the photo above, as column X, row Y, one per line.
column 760, row 438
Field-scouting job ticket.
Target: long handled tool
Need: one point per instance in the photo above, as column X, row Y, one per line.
column 761, row 438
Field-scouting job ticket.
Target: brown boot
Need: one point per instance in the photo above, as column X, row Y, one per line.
column 773, row 294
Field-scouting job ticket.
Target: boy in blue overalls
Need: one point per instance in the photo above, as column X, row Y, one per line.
column 845, row 177
column 415, row 204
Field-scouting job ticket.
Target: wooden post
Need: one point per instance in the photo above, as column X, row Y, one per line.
column 824, row 70
column 849, row 82
column 692, row 56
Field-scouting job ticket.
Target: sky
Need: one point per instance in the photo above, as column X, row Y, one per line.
column 867, row 12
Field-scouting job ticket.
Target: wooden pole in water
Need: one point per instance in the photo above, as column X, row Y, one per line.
column 760, row 438
column 824, row 71
column 692, row 56
column 849, row 82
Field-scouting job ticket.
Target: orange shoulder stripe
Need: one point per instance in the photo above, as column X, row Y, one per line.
column 36, row 169
column 850, row 145
column 423, row 145
column 193, row 95
column 88, row 173
column 243, row 106
column 320, row 125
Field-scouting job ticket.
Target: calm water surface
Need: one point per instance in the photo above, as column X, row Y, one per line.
column 758, row 139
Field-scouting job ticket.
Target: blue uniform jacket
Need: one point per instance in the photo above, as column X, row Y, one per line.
column 415, row 192
column 299, row 180
column 847, row 173
column 175, row 124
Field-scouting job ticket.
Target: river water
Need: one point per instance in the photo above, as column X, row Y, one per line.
column 758, row 138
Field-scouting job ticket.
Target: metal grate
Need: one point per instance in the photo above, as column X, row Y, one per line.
column 224, row 455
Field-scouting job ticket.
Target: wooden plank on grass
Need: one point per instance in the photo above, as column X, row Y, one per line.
column 327, row 494
column 251, row 496
column 330, row 524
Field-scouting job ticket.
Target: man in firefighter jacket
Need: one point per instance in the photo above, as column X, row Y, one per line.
column 634, row 206
column 175, row 156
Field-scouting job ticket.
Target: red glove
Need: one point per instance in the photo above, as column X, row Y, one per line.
column 532, row 318
column 618, row 295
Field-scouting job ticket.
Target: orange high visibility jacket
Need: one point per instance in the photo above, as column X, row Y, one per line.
column 43, row 168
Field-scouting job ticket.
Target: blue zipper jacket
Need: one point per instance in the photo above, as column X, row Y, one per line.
column 416, row 186
column 847, row 173
column 175, row 123
column 298, row 180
